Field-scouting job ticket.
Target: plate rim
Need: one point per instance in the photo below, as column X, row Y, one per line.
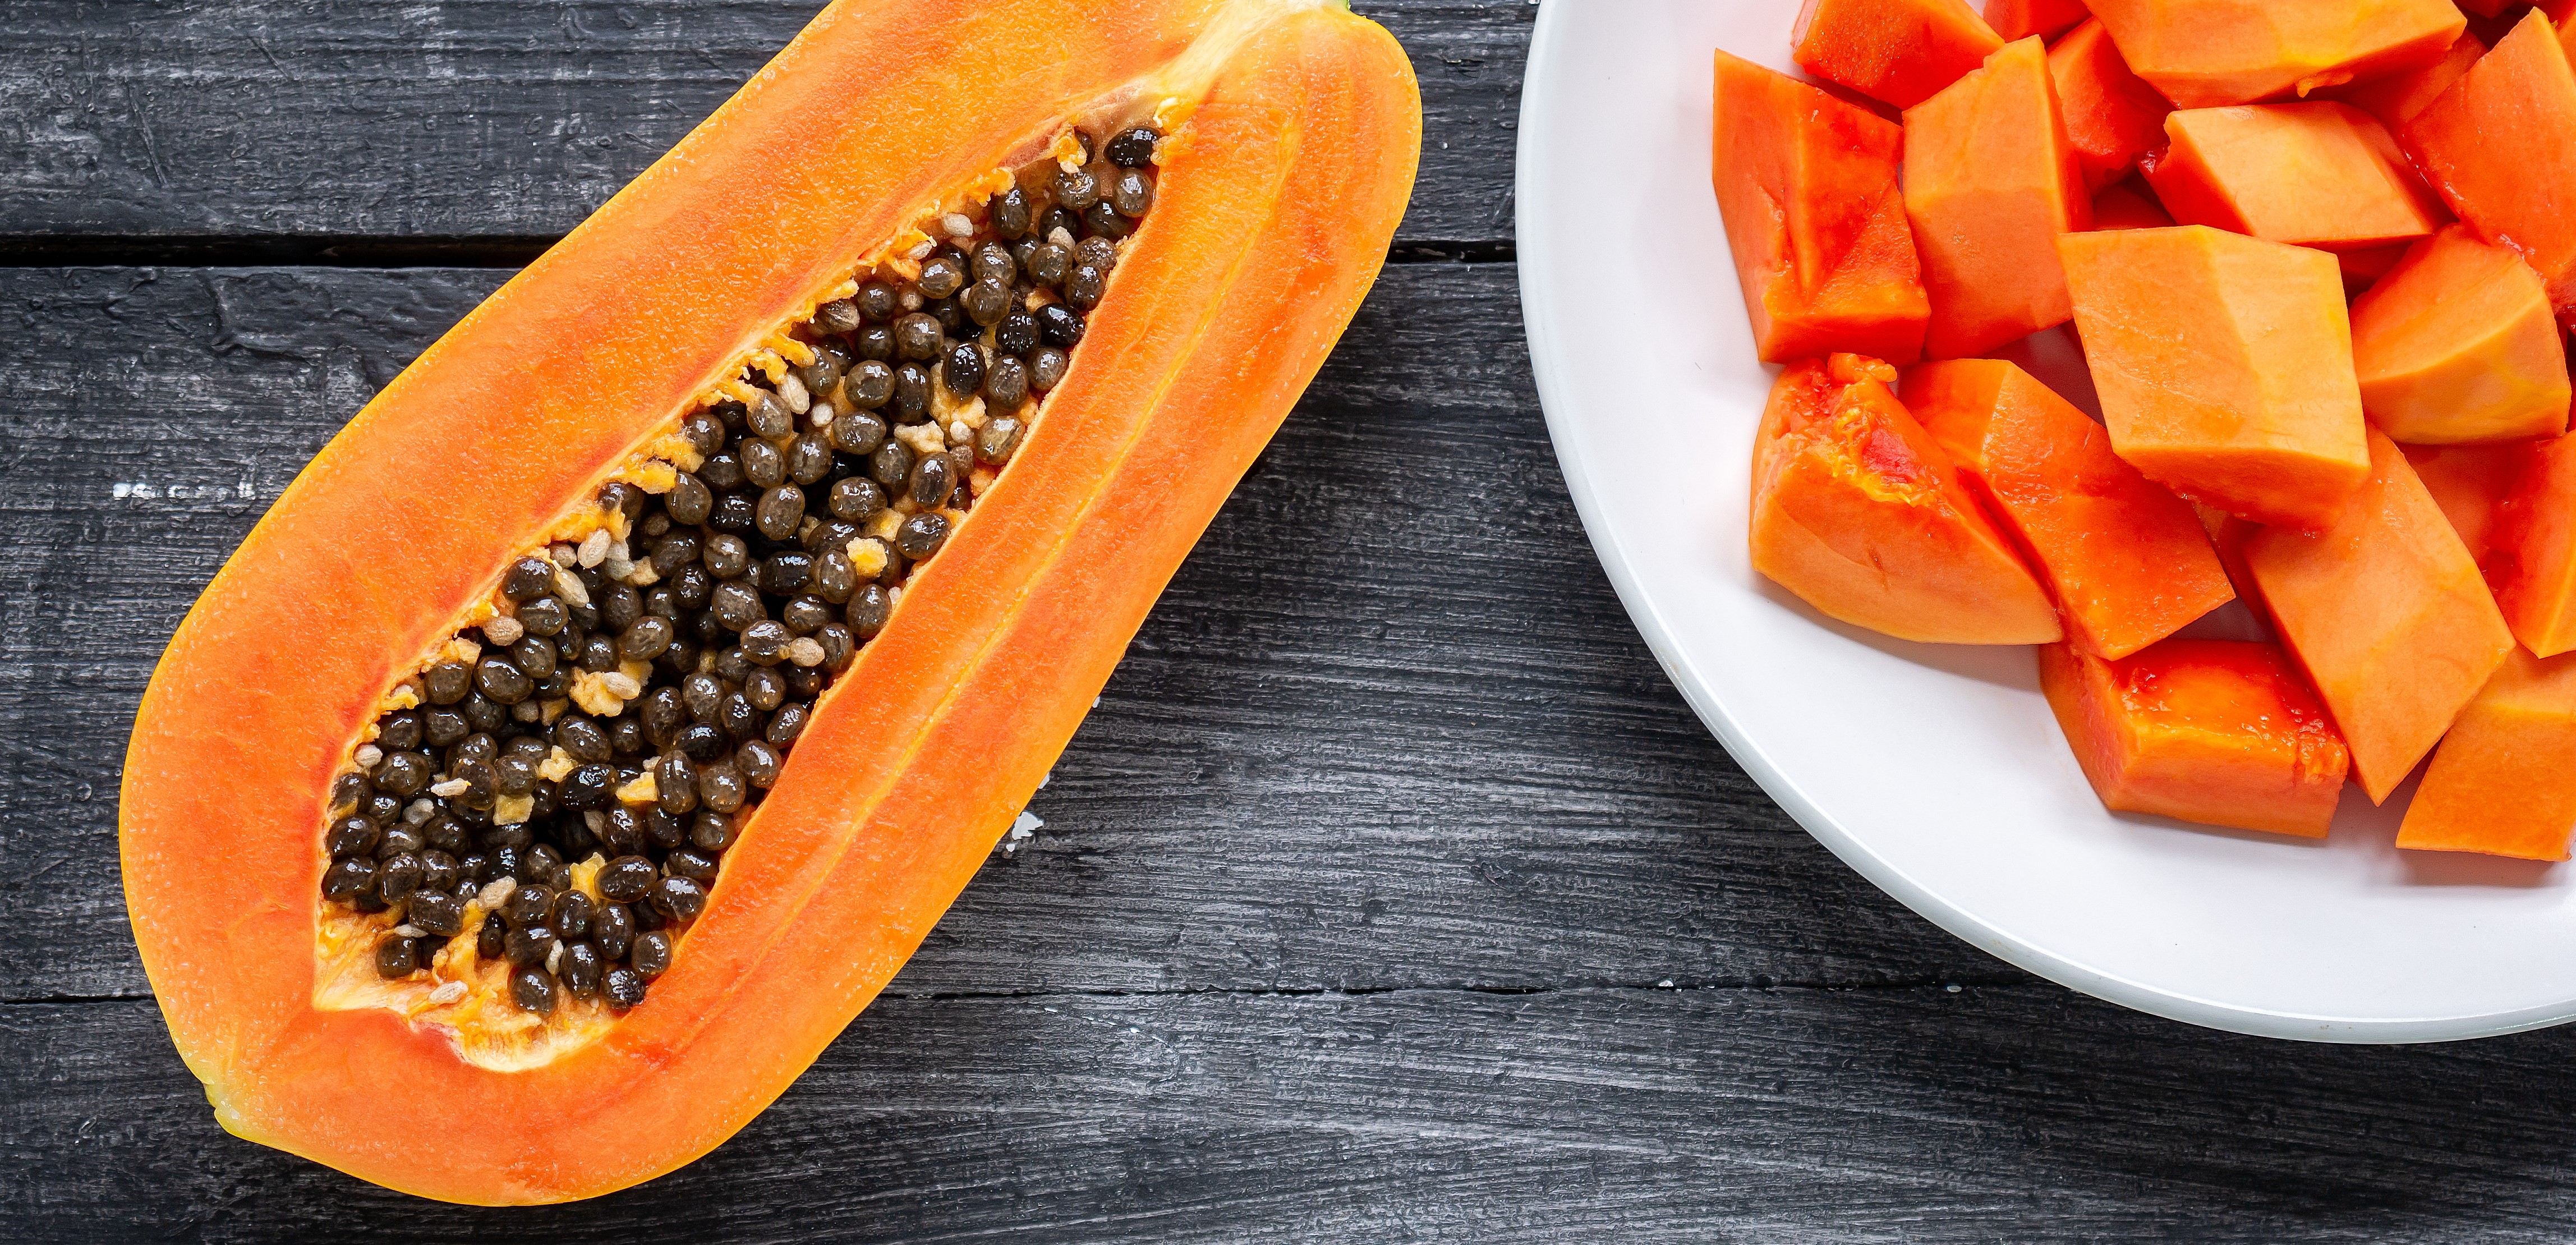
column 1532, row 249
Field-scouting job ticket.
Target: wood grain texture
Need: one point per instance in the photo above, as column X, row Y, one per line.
column 348, row 121
column 2013, row 1113
column 1388, row 728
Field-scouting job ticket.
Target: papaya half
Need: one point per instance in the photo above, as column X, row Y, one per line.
column 590, row 731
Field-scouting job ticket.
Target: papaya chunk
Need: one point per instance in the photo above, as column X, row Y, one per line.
column 1898, row 52
column 2500, row 783
column 1990, row 181
column 2395, row 99
column 2128, row 205
column 2500, row 147
column 2112, row 115
column 2316, row 174
column 2020, row 19
column 1806, row 184
column 2212, row 53
column 2224, row 365
column 2126, row 560
column 2533, row 558
column 2458, row 345
column 2387, row 614
column 1858, row 512
column 2470, row 484
column 2219, row 732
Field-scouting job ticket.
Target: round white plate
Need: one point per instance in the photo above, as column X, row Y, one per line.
column 1935, row 771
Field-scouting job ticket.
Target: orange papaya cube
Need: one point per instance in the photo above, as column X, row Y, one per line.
column 2317, row 174
column 2457, row 345
column 2500, row 147
column 1898, row 52
column 2224, row 365
column 2220, row 732
column 2212, row 53
column 2112, row 115
column 1990, row 181
column 2532, row 560
column 2126, row 560
column 2387, row 614
column 2128, row 205
column 2470, row 484
column 2500, row 783
column 1807, row 186
column 1858, row 512
column 2020, row 19
column 2395, row 99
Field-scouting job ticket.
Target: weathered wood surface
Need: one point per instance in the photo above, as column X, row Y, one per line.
column 289, row 128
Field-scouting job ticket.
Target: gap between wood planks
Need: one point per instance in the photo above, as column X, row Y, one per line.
column 324, row 251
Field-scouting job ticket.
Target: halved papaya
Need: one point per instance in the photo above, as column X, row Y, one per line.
column 1857, row 510
column 2212, row 53
column 603, row 717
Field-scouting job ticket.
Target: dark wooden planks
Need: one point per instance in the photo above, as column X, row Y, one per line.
column 1388, row 727
column 2011, row 1113
column 308, row 124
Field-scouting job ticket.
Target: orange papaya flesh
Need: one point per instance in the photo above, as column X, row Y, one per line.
column 2129, row 205
column 1990, row 181
column 2020, row 19
column 1858, row 512
column 2499, row 783
column 1898, row 52
column 2318, row 174
column 2220, row 732
column 2458, row 345
column 2224, row 367
column 2500, row 148
column 2532, row 555
column 2112, row 115
column 1291, row 133
column 2388, row 615
column 2470, row 484
column 2212, row 53
column 2126, row 561
column 2395, row 99
column 1806, row 184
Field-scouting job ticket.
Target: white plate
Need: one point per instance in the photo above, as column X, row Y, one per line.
column 1936, row 772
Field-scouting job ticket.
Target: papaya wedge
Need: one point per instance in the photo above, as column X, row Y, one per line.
column 1279, row 140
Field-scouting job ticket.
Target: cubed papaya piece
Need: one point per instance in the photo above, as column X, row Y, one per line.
column 2020, row 19
column 2387, row 614
column 2212, row 53
column 2470, row 484
column 2457, row 345
column 2126, row 560
column 2500, row 783
column 2112, row 115
column 1857, row 510
column 2129, row 205
column 1899, row 52
column 1990, row 181
column 2532, row 561
column 1807, row 186
column 2395, row 99
column 2500, row 146
column 2316, row 174
column 2220, row 732
column 2224, row 364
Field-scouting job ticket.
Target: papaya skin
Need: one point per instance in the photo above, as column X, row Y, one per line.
column 1858, row 512
column 2500, row 148
column 875, row 825
column 2457, row 346
column 1806, row 184
column 1990, row 181
column 2387, row 614
column 1898, row 52
column 2212, row 53
column 2112, row 115
column 2224, row 364
column 2218, row 732
column 2318, row 174
column 2499, row 784
column 2127, row 561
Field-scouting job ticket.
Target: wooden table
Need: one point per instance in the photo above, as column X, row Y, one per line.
column 1390, row 893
